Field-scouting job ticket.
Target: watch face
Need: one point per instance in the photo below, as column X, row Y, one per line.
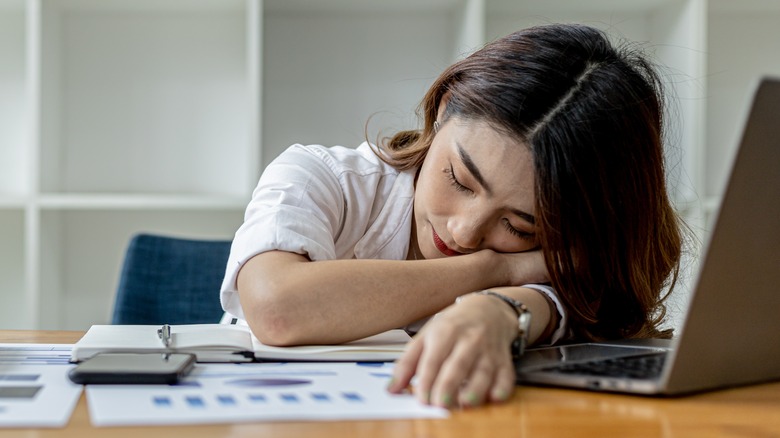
column 525, row 322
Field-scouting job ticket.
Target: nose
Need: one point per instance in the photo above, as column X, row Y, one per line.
column 467, row 230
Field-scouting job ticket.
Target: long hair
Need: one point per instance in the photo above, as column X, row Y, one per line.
column 592, row 115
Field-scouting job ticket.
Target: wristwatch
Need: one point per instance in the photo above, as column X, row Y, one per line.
column 523, row 320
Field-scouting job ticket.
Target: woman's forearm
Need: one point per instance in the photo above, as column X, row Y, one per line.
column 289, row 300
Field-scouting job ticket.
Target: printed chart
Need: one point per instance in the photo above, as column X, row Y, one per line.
column 221, row 393
column 34, row 386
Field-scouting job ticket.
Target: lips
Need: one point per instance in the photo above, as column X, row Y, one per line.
column 442, row 247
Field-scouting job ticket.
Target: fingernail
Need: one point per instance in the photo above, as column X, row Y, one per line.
column 500, row 395
column 471, row 399
column 446, row 400
column 390, row 383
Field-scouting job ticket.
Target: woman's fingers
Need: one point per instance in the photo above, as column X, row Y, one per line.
column 474, row 390
column 461, row 357
column 438, row 345
column 406, row 366
column 455, row 367
column 504, row 384
column 490, row 377
column 452, row 372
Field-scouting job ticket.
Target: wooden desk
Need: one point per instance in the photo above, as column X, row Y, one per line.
column 532, row 412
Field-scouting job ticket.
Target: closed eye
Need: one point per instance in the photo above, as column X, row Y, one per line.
column 518, row 233
column 454, row 181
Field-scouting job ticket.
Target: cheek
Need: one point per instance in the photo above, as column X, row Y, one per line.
column 433, row 196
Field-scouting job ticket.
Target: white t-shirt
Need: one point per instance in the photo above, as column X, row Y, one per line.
column 330, row 203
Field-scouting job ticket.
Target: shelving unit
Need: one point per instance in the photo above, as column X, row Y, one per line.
column 141, row 116
column 120, row 116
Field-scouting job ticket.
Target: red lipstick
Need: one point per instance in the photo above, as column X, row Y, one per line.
column 442, row 247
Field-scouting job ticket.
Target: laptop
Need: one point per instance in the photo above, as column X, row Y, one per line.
column 731, row 332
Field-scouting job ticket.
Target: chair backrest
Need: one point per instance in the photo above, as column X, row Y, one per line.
column 171, row 280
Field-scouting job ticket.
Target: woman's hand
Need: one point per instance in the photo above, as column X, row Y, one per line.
column 525, row 267
column 462, row 356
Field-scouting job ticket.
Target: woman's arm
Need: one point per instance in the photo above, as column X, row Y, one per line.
column 290, row 300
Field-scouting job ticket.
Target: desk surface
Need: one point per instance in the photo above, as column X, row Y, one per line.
column 532, row 412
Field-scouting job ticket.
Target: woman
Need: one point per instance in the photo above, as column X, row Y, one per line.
column 535, row 192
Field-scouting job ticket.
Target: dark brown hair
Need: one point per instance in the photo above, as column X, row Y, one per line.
column 592, row 114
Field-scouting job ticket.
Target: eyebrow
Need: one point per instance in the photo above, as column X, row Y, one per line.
column 469, row 163
column 474, row 170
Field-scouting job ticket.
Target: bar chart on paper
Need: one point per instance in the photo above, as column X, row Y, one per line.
column 34, row 387
column 219, row 393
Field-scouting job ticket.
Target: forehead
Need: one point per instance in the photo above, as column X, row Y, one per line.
column 505, row 163
column 497, row 154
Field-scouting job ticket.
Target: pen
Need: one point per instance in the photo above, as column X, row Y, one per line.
column 164, row 333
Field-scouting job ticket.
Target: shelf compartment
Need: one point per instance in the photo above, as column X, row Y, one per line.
column 145, row 97
column 14, row 107
column 362, row 68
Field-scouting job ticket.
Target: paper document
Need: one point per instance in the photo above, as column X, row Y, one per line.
column 35, row 354
column 34, row 387
column 228, row 393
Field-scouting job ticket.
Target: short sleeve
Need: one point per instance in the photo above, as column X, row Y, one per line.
column 297, row 206
column 326, row 203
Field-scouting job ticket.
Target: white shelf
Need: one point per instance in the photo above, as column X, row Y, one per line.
column 371, row 7
column 12, row 202
column 152, row 6
column 75, row 201
column 121, row 116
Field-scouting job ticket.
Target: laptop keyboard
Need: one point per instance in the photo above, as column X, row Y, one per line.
column 647, row 366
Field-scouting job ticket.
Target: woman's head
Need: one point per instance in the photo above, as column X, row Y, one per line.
column 591, row 116
column 467, row 200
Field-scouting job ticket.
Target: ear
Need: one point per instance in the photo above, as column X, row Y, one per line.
column 442, row 109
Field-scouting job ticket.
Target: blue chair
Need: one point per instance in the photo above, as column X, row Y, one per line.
column 171, row 280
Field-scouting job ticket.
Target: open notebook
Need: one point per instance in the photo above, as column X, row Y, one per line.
column 230, row 343
column 731, row 333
